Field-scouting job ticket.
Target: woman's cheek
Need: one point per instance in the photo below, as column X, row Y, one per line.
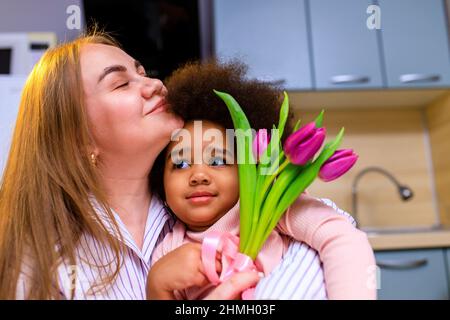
column 127, row 107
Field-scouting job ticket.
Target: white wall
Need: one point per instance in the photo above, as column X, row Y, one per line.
column 10, row 92
column 39, row 16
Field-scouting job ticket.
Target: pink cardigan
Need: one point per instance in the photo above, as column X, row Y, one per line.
column 345, row 252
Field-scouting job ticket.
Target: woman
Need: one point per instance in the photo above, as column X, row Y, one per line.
column 77, row 218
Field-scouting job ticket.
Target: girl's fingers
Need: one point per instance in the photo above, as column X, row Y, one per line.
column 232, row 288
column 218, row 266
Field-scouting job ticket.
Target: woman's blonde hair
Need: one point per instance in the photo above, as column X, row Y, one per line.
column 49, row 177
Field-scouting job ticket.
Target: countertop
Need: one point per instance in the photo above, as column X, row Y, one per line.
column 411, row 239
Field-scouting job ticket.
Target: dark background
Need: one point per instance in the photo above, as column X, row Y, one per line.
column 161, row 34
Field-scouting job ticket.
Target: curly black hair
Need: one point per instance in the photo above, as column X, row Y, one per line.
column 191, row 97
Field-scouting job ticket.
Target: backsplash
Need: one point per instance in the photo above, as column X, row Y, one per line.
column 394, row 140
column 438, row 119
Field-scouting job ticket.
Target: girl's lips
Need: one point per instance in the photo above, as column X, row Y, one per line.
column 201, row 199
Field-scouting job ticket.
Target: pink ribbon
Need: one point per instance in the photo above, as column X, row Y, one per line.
column 232, row 260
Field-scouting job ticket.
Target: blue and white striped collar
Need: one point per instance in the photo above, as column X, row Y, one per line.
column 156, row 219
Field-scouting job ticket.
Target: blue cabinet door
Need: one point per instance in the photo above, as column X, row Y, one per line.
column 447, row 253
column 415, row 42
column 346, row 53
column 412, row 274
column 270, row 36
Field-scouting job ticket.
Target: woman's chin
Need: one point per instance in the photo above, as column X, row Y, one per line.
column 166, row 120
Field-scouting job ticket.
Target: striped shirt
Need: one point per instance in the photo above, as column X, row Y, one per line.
column 130, row 284
column 299, row 276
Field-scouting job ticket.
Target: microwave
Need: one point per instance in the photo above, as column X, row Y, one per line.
column 19, row 51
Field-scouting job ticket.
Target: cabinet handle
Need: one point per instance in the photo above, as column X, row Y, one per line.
column 419, row 77
column 408, row 264
column 349, row 78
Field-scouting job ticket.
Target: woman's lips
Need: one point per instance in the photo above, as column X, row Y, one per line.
column 160, row 106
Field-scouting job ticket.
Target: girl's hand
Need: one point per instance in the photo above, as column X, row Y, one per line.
column 182, row 268
column 179, row 269
column 233, row 287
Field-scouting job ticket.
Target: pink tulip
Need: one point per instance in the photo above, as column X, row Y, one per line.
column 260, row 143
column 338, row 164
column 301, row 146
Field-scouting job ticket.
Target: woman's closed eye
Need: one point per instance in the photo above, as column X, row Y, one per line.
column 141, row 72
column 124, row 84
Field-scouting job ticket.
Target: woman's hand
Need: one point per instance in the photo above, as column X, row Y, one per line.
column 182, row 268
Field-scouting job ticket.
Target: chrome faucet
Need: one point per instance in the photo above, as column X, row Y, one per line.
column 404, row 191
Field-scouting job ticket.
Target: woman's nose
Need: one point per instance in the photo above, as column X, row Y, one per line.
column 199, row 177
column 153, row 87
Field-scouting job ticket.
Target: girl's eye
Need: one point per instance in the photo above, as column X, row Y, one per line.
column 217, row 161
column 182, row 164
column 123, row 85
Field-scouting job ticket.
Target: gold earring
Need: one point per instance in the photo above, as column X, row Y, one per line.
column 93, row 159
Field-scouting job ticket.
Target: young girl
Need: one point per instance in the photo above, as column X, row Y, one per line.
column 204, row 197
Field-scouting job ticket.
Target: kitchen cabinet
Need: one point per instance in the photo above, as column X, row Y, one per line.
column 269, row 36
column 326, row 44
column 345, row 50
column 447, row 254
column 415, row 43
column 413, row 274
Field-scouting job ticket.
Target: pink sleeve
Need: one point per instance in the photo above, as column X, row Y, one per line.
column 346, row 254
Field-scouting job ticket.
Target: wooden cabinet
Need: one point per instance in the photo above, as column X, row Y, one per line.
column 413, row 274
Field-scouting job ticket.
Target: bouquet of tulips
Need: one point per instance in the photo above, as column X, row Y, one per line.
column 272, row 176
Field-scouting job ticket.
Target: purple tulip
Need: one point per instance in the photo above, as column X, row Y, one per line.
column 302, row 145
column 260, row 143
column 338, row 164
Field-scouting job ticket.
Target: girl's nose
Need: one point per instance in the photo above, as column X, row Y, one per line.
column 199, row 177
column 153, row 87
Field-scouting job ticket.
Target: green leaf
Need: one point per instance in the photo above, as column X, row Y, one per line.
column 246, row 170
column 297, row 126
column 284, row 112
column 269, row 205
column 319, row 119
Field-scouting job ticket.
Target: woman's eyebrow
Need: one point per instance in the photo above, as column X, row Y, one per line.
column 116, row 68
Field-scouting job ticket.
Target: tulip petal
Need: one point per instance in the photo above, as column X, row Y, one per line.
column 340, row 154
column 260, row 143
column 336, row 168
column 306, row 150
column 298, row 136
